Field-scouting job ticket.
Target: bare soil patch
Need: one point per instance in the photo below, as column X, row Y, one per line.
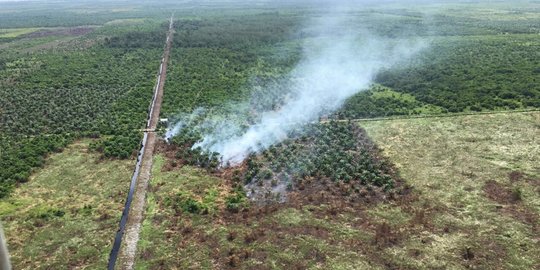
column 500, row 193
column 512, row 201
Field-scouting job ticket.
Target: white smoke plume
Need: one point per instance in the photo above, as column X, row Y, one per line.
column 183, row 121
column 335, row 65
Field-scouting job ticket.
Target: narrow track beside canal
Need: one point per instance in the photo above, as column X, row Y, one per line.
column 124, row 249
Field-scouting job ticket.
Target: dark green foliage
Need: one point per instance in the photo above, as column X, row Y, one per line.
column 89, row 91
column 367, row 104
column 18, row 157
column 74, row 13
column 237, row 200
column 204, row 78
column 485, row 73
column 196, row 157
column 147, row 40
column 118, row 146
column 337, row 151
column 46, row 213
column 185, row 203
column 243, row 32
column 214, row 59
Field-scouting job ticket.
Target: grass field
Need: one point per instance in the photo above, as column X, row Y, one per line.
column 15, row 32
column 67, row 214
column 478, row 181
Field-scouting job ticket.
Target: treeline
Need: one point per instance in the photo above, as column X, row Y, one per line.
column 457, row 75
column 21, row 14
column 148, row 40
column 380, row 102
column 480, row 73
column 241, row 32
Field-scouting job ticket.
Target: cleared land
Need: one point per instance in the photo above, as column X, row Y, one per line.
column 478, row 183
column 15, row 32
column 66, row 215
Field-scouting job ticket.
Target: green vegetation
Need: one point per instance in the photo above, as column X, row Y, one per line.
column 338, row 152
column 473, row 74
column 332, row 212
column 12, row 33
column 66, row 215
column 473, row 63
column 473, row 203
column 17, row 14
column 50, row 98
column 382, row 101
column 215, row 61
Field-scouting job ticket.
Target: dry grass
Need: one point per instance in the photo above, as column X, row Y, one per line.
column 449, row 161
column 15, row 32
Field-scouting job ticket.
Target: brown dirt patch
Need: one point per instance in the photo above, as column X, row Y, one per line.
column 501, row 194
column 515, row 176
column 511, row 199
column 481, row 253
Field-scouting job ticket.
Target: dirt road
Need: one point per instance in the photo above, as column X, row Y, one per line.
column 125, row 246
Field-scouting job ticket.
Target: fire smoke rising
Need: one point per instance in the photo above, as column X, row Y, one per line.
column 335, row 65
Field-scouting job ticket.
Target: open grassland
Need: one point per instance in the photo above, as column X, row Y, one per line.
column 66, row 215
column 478, row 182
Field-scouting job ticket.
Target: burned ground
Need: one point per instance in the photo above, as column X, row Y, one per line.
column 332, row 213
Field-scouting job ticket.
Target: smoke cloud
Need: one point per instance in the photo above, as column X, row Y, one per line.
column 336, row 64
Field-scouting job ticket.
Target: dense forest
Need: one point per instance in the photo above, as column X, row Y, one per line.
column 218, row 60
column 454, row 74
column 473, row 74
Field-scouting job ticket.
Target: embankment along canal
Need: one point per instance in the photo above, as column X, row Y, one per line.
column 125, row 242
